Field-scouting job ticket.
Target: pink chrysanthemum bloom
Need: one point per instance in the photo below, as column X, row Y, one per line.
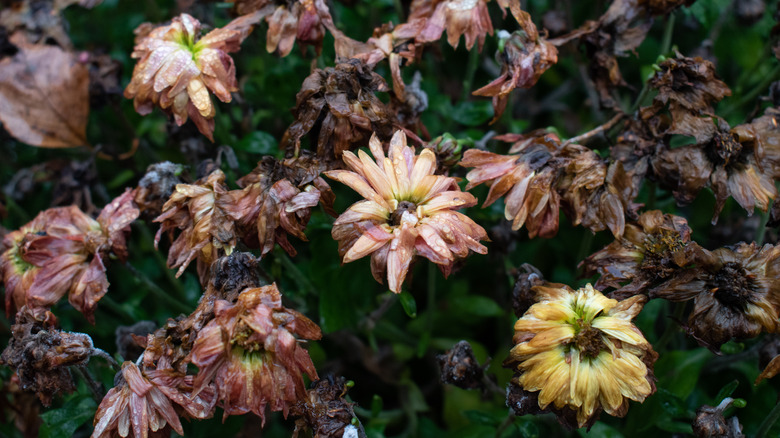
column 250, row 351
column 177, row 70
column 408, row 211
column 146, row 404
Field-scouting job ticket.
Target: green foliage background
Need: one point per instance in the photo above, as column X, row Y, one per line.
column 391, row 359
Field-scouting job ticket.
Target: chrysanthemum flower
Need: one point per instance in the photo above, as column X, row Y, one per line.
column 250, row 351
column 581, row 352
column 469, row 18
column 650, row 251
column 177, row 69
column 206, row 215
column 735, row 293
column 277, row 199
column 146, row 403
column 407, row 211
column 62, row 251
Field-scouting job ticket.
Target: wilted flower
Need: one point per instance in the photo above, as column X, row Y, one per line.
column 407, row 211
column 709, row 422
column 340, row 101
column 177, row 69
column 40, row 355
column 734, row 292
column 289, row 21
column 469, row 18
column 527, row 179
column 206, row 214
column 657, row 247
column 62, row 250
column 277, row 199
column 580, row 351
column 326, row 412
column 147, row 401
column 525, row 56
column 251, row 354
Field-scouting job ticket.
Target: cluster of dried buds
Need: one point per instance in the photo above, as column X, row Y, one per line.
column 541, row 175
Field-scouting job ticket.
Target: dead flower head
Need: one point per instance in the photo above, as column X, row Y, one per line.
column 40, row 355
column 62, row 251
column 250, row 351
column 654, row 249
column 177, row 70
column 325, row 411
column 581, row 352
column 469, row 18
column 149, row 402
column 734, row 292
column 525, row 56
column 278, row 197
column 407, row 211
column 206, row 214
column 342, row 103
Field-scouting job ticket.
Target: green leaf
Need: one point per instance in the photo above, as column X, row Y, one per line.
column 477, row 305
column 409, row 304
column 726, row 391
column 258, row 142
column 473, row 113
column 63, row 422
column 679, row 370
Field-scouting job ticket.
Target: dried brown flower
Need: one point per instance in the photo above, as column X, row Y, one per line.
column 734, row 292
column 654, row 249
column 277, row 199
column 206, row 214
column 40, row 355
column 147, row 402
column 249, row 350
column 407, row 211
column 325, row 411
column 525, row 56
column 62, row 250
column 339, row 103
column 177, row 69
column 469, row 18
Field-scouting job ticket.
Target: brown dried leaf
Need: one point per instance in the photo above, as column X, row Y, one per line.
column 44, row 97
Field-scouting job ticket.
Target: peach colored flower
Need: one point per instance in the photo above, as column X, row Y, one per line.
column 469, row 18
column 407, row 211
column 177, row 69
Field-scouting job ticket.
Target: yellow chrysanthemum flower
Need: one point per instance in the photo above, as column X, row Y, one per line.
column 579, row 349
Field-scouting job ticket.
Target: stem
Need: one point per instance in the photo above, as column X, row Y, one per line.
column 666, row 43
column 761, row 230
column 770, row 420
column 582, row 138
column 399, row 10
column 768, row 79
column 585, row 245
column 297, row 276
column 109, row 302
column 671, row 328
column 169, row 273
column 157, row 291
column 94, row 387
column 505, row 424
column 471, row 69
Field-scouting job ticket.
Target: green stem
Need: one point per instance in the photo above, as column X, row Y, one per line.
column 666, row 43
column 585, row 245
column 146, row 234
column 115, row 307
column 761, row 231
column 399, row 10
column 157, row 291
column 770, row 420
column 671, row 328
column 297, row 276
column 471, row 69
column 758, row 89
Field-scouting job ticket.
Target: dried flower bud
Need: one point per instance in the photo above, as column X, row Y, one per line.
column 580, row 351
column 448, row 150
column 250, row 344
column 407, row 211
column 459, row 367
column 325, row 412
column 709, row 422
column 523, row 294
column 177, row 69
column 156, row 186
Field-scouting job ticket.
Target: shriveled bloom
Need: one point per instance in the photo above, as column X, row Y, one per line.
column 206, row 215
column 407, row 211
column 289, row 21
column 341, row 105
column 654, row 249
column 148, row 403
column 177, row 70
column 580, row 351
column 251, row 353
column 528, row 180
column 40, row 355
column 325, row 411
column 469, row 18
column 277, row 199
column 62, row 251
column 525, row 56
column 734, row 291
